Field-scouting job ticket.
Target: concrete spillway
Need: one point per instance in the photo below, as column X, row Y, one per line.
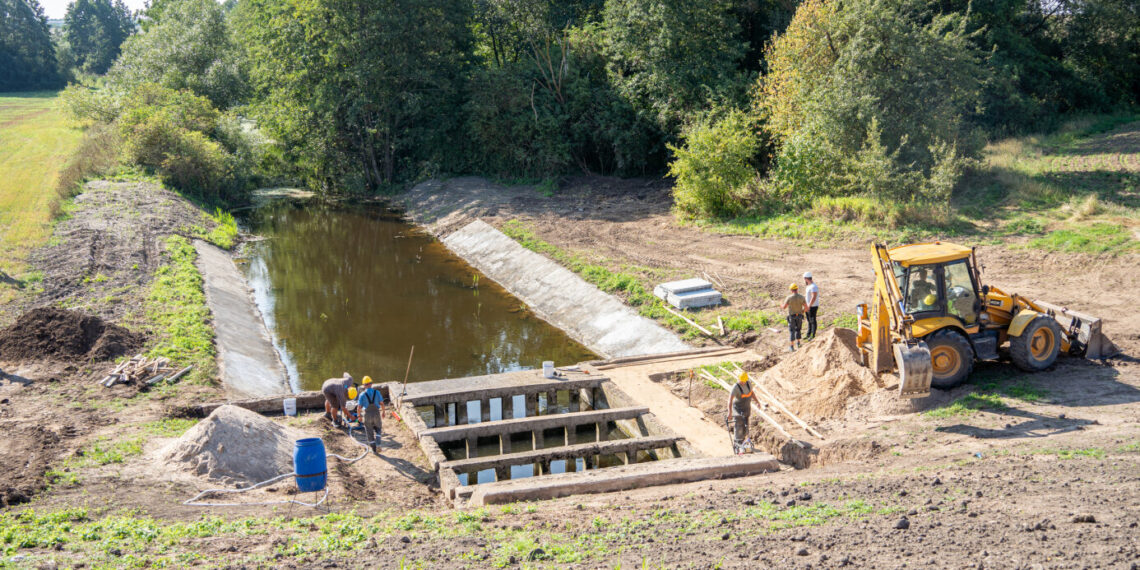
column 547, row 413
column 588, row 315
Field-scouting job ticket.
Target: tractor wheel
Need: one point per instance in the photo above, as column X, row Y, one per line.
column 951, row 358
column 1037, row 346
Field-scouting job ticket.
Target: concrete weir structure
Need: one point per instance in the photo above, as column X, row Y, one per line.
column 543, row 413
column 587, row 314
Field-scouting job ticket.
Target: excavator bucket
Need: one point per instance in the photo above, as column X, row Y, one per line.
column 915, row 370
column 1085, row 338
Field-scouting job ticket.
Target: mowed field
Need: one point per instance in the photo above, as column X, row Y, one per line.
column 36, row 141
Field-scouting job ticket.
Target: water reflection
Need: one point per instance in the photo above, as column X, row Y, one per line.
column 353, row 288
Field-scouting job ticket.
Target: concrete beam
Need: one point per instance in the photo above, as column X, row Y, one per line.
column 532, row 424
column 467, row 389
column 564, row 452
column 621, row 478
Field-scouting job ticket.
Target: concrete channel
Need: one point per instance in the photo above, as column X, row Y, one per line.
column 545, row 412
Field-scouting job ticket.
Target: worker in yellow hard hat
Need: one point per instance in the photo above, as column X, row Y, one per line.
column 739, row 409
column 371, row 405
column 797, row 307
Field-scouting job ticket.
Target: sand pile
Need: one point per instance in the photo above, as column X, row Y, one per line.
column 233, row 446
column 50, row 332
column 819, row 379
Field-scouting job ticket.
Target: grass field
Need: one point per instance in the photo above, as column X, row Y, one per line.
column 35, row 143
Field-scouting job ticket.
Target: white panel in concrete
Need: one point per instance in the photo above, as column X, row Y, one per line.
column 596, row 319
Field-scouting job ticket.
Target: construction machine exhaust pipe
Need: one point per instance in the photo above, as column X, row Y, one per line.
column 915, row 369
column 1083, row 331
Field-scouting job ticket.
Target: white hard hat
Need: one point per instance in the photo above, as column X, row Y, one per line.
column 807, row 274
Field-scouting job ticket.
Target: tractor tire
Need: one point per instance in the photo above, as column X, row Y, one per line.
column 951, row 358
column 1038, row 345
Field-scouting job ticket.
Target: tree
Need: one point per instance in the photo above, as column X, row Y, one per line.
column 96, row 30
column 672, row 57
column 866, row 85
column 363, row 92
column 187, row 45
column 27, row 57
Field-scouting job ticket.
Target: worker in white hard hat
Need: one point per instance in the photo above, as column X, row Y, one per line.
column 811, row 294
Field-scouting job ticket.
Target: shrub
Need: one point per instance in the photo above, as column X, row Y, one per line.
column 98, row 151
column 714, row 164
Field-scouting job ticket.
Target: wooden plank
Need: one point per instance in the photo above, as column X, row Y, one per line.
column 467, row 394
column 755, row 408
column 707, row 332
column 274, row 404
column 654, row 359
column 563, row 452
column 506, row 427
column 784, row 409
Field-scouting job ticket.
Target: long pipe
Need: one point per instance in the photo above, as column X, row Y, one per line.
column 404, row 390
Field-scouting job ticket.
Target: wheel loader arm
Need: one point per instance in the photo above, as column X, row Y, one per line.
column 1083, row 334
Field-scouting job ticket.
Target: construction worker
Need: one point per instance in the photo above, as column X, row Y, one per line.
column 372, row 408
column 739, row 409
column 922, row 297
column 811, row 294
column 336, row 397
column 797, row 307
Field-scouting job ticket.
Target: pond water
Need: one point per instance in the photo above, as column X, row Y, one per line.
column 353, row 288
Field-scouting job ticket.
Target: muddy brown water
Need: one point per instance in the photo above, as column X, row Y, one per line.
column 352, row 288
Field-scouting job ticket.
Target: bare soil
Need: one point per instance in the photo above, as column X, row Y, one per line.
column 1050, row 478
column 49, row 332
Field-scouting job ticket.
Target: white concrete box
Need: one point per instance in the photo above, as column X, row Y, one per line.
column 688, row 293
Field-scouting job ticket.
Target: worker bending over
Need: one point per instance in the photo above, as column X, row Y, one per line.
column 796, row 306
column 336, row 397
column 371, row 406
column 740, row 409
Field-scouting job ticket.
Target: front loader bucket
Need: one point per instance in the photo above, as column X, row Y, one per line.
column 915, row 370
column 1085, row 338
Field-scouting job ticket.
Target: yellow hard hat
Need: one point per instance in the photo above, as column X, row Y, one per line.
column 743, row 377
column 930, row 299
column 352, row 393
column 367, row 380
column 794, row 287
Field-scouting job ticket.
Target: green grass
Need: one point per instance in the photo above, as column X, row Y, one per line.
column 176, row 308
column 846, row 321
column 225, row 230
column 36, row 142
column 1094, row 238
column 168, row 427
column 968, row 405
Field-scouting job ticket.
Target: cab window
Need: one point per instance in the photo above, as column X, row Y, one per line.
column 961, row 298
column 922, row 293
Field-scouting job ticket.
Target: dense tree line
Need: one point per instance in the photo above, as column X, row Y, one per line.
column 752, row 105
column 27, row 56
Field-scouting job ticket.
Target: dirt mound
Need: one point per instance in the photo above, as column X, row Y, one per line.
column 233, row 446
column 50, row 332
column 818, row 380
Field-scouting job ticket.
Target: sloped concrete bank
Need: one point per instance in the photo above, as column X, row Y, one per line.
column 590, row 316
column 249, row 365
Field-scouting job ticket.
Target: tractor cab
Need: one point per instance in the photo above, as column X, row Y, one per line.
column 937, row 281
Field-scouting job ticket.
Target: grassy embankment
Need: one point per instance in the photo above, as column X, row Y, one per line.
column 36, row 142
column 1074, row 190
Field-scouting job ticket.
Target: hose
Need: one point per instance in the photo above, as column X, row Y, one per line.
column 193, row 501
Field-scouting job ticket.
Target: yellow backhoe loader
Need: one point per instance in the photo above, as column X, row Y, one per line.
column 931, row 318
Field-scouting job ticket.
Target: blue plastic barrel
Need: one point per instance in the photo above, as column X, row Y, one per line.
column 309, row 464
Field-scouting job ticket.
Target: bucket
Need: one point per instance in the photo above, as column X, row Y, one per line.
column 290, row 405
column 310, row 464
column 548, row 368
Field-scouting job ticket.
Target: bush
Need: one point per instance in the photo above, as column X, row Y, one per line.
column 98, row 151
column 714, row 163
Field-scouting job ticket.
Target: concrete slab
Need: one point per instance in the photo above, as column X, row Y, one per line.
column 248, row 364
column 694, row 299
column 590, row 316
column 689, row 422
column 682, row 286
column 506, row 427
column 563, row 452
column 622, row 478
column 493, row 386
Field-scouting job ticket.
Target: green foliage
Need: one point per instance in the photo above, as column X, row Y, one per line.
column 95, row 30
column 27, row 57
column 868, row 99
column 187, row 46
column 176, row 307
column 360, row 110
column 669, row 58
column 713, row 165
column 751, row 320
column 846, row 321
column 169, row 427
